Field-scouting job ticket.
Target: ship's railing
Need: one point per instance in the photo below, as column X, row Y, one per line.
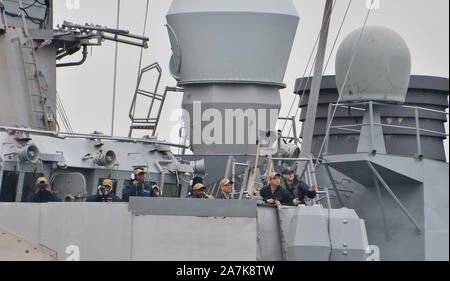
column 307, row 172
column 294, row 137
column 63, row 135
column 372, row 124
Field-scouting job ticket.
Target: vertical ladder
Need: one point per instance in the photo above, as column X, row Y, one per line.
column 148, row 122
column 243, row 178
column 35, row 88
column 151, row 120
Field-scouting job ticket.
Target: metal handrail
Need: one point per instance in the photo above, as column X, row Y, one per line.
column 388, row 104
column 132, row 110
column 371, row 123
column 387, row 125
column 63, row 135
column 294, row 128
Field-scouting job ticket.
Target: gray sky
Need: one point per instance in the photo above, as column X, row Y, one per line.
column 86, row 90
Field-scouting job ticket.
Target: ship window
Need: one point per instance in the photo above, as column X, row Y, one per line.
column 29, row 183
column 9, row 186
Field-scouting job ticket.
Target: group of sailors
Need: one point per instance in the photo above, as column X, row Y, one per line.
column 137, row 187
column 281, row 189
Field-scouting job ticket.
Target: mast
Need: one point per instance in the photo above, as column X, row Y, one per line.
column 308, row 129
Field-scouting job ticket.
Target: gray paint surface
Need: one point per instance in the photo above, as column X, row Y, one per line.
column 192, row 207
column 164, row 237
column 423, row 91
column 415, row 82
column 37, row 11
column 108, row 231
column 219, row 104
column 422, row 187
column 21, row 219
column 269, row 240
column 17, row 88
column 259, row 58
column 348, row 236
column 308, row 237
column 286, row 215
column 101, row 231
column 204, row 36
column 14, row 84
column 436, row 194
column 394, row 169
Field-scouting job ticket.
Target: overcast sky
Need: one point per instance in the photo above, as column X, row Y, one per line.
column 86, row 90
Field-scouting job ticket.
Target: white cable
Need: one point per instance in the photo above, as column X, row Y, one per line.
column 328, row 60
column 115, row 72
column 143, row 34
column 306, row 68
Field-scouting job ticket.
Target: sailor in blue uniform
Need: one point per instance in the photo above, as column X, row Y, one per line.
column 138, row 187
column 198, row 191
column 104, row 193
column 296, row 187
column 225, row 189
column 273, row 193
column 42, row 193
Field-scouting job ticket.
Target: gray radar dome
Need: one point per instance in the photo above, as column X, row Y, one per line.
column 381, row 66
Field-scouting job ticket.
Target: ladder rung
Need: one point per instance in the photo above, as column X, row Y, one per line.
column 143, row 123
column 149, row 94
column 139, row 122
column 144, row 119
column 143, row 127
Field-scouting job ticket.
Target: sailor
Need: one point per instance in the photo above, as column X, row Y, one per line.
column 42, row 193
column 195, row 180
column 157, row 190
column 138, row 187
column 273, row 193
column 296, row 187
column 198, row 191
column 104, row 193
column 225, row 189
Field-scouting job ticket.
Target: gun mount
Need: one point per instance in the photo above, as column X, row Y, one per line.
column 71, row 38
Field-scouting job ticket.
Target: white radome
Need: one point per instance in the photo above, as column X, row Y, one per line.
column 381, row 66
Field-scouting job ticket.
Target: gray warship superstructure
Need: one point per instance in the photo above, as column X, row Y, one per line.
column 372, row 141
